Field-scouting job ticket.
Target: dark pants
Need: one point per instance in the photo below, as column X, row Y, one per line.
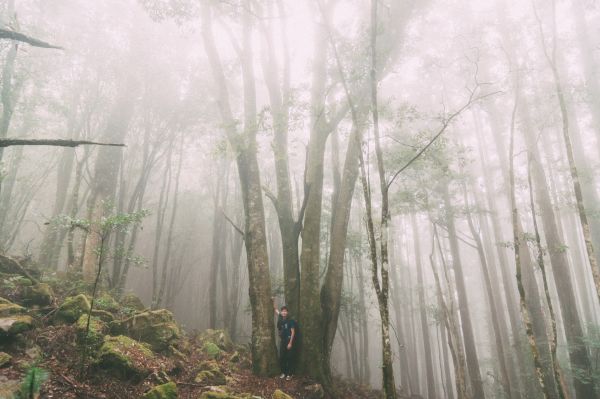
column 287, row 357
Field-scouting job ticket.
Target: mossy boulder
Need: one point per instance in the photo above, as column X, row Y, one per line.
column 214, row 377
column 219, row 337
column 133, row 302
column 157, row 328
column 107, row 303
column 72, row 308
column 164, row 391
column 16, row 324
column 7, row 308
column 218, row 395
column 125, row 358
column 279, row 394
column 5, row 358
column 235, row 357
column 211, row 350
column 95, row 335
column 39, row 294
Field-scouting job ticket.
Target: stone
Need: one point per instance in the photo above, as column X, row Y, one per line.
column 133, row 302
column 219, row 337
column 314, row 391
column 9, row 388
column 213, row 377
column 218, row 395
column 125, row 358
column 13, row 325
column 39, row 294
column 235, row 357
column 156, row 328
column 5, row 358
column 164, row 391
column 107, row 303
column 72, row 308
column 279, row 394
column 8, row 308
column 211, row 350
column 95, row 336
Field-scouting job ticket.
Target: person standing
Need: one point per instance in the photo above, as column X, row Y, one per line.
column 288, row 328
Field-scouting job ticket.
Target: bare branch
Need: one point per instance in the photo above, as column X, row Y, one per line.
column 53, row 142
column 20, row 37
column 235, row 226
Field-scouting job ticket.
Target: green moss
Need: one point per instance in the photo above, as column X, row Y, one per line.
column 208, row 366
column 214, row 377
column 218, row 395
column 132, row 301
column 235, row 357
column 9, row 309
column 95, row 336
column 107, row 303
column 211, row 350
column 157, row 328
column 40, row 294
column 72, row 309
column 164, row 391
column 5, row 358
column 125, row 358
column 279, row 394
column 16, row 324
column 219, row 337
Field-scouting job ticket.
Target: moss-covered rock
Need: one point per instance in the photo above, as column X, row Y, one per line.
column 95, row 336
column 235, row 357
column 211, row 350
column 279, row 394
column 107, row 303
column 8, row 308
column 133, row 302
column 164, row 391
column 157, row 328
column 72, row 308
column 125, row 358
column 5, row 358
column 13, row 325
column 39, row 294
column 219, row 337
column 208, row 365
column 214, row 377
column 105, row 316
column 218, row 395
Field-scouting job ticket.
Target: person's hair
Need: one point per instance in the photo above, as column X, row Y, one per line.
column 284, row 307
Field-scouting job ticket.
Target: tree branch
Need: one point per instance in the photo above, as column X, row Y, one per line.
column 235, row 226
column 445, row 125
column 20, row 37
column 53, row 142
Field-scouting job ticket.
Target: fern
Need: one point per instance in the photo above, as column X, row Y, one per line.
column 34, row 378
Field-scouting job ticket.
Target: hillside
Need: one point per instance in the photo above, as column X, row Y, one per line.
column 130, row 351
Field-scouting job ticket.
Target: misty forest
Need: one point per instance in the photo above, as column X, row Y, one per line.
column 372, row 198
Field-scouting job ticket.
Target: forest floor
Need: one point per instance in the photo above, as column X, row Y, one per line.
column 203, row 365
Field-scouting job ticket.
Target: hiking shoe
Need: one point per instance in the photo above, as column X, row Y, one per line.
column 289, row 377
column 282, row 376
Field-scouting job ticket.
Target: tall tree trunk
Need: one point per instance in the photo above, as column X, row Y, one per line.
column 431, row 386
column 499, row 326
column 106, row 173
column 264, row 355
column 463, row 303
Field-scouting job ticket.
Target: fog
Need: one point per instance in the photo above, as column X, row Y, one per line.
column 417, row 180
